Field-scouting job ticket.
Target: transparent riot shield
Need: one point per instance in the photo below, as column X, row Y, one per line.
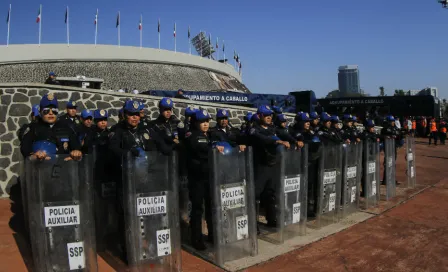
column 291, row 196
column 233, row 205
column 61, row 220
column 389, row 168
column 351, row 177
column 371, row 173
column 329, row 185
column 151, row 212
column 105, row 196
column 410, row 159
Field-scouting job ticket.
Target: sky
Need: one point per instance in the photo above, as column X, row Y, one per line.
column 284, row 46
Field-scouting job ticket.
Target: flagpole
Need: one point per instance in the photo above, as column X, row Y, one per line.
column 68, row 30
column 200, row 40
column 141, row 30
column 158, row 29
column 217, row 49
column 224, row 50
column 96, row 26
column 175, row 49
column 40, row 24
column 9, row 22
column 189, row 42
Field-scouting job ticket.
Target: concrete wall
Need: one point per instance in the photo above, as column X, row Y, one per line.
column 120, row 67
column 15, row 108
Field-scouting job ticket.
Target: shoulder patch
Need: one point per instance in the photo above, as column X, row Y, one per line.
column 26, row 130
column 320, row 132
column 188, row 134
column 252, row 131
column 111, row 134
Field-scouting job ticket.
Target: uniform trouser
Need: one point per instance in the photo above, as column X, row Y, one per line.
column 266, row 181
column 313, row 179
column 200, row 196
column 433, row 135
column 442, row 137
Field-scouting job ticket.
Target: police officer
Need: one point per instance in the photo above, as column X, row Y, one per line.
column 34, row 117
column 265, row 141
column 85, row 131
column 326, row 133
column 128, row 137
column 314, row 121
column 282, row 130
column 368, row 135
column 166, row 125
column 70, row 118
column 198, row 142
column 100, row 141
column 245, row 128
column 277, row 111
column 348, row 131
column 145, row 121
column 390, row 130
column 190, row 113
column 224, row 132
column 52, row 79
column 47, row 136
column 302, row 131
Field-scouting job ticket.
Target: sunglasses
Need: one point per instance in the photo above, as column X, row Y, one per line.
column 133, row 113
column 46, row 111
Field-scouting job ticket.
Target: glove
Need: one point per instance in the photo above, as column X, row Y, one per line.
column 135, row 152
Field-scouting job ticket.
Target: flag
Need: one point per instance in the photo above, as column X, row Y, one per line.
column 174, row 33
column 38, row 16
column 234, row 54
column 140, row 26
column 240, row 65
column 118, row 20
column 188, row 32
column 158, row 26
column 209, row 39
column 217, row 46
column 96, row 17
column 223, row 46
column 9, row 15
column 66, row 15
column 238, row 58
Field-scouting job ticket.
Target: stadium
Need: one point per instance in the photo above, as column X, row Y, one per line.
column 118, row 67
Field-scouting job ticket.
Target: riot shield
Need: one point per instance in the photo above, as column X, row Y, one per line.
column 151, row 212
column 291, row 196
column 410, row 159
column 389, row 168
column 105, row 197
column 351, row 177
column 61, row 221
column 329, row 185
column 233, row 205
column 371, row 173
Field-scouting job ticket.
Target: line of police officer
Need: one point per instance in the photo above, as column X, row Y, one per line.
column 192, row 138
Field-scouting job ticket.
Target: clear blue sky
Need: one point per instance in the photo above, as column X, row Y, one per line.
column 284, row 45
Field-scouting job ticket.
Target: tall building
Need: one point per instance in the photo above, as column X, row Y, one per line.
column 348, row 78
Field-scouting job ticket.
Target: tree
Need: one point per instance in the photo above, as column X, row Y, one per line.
column 333, row 94
column 382, row 92
column 399, row 93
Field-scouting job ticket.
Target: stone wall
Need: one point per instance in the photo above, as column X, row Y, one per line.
column 16, row 101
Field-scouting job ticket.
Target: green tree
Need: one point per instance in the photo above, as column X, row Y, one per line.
column 399, row 93
column 382, row 92
column 333, row 94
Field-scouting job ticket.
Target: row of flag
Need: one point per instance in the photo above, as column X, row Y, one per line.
column 140, row 27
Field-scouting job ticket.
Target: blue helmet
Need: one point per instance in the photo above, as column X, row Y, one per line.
column 166, row 103
column 302, row 117
column 222, row 113
column 86, row 114
column 281, row 118
column 35, row 110
column 390, row 118
column 248, row 116
column 52, row 74
column 100, row 114
column 347, row 117
column 325, row 117
column 48, row 100
column 314, row 115
column 202, row 115
column 120, row 112
column 277, row 110
column 131, row 106
column 190, row 111
column 370, row 123
column 335, row 119
column 227, row 147
column 48, row 147
column 264, row 110
column 142, row 106
column 71, row 104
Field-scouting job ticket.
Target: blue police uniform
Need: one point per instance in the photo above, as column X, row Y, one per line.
column 34, row 118
column 225, row 134
column 86, row 134
column 72, row 122
column 327, row 135
column 167, row 128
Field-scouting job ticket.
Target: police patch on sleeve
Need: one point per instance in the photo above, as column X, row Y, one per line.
column 26, row 131
column 146, row 136
column 188, row 134
column 111, row 134
column 320, row 133
column 252, row 131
